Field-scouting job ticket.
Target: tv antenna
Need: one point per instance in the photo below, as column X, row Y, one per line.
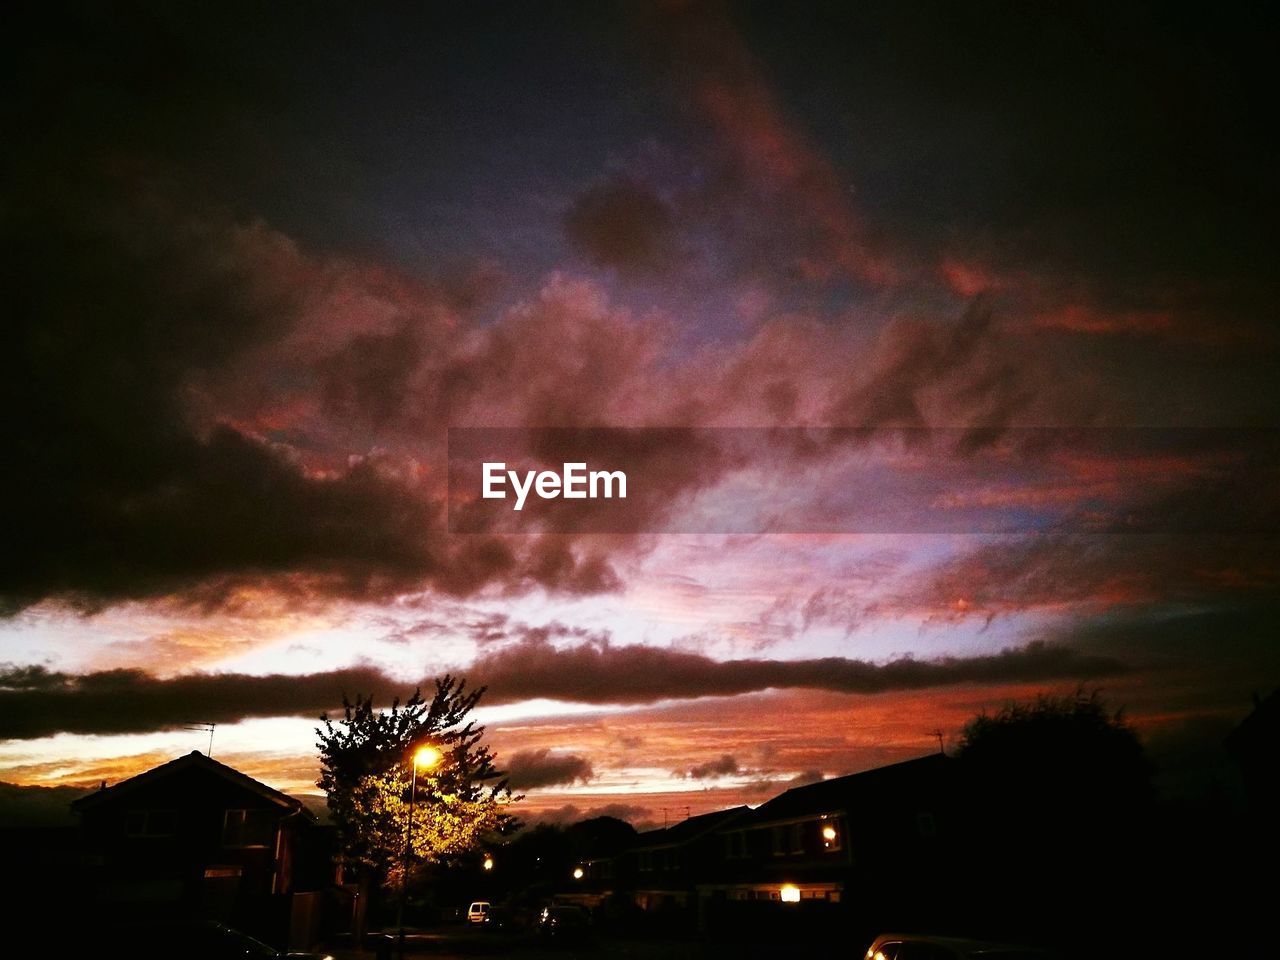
column 202, row 725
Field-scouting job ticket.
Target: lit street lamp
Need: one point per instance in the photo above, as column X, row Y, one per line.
column 426, row 758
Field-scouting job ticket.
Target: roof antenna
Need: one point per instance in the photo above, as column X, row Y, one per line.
column 202, row 725
column 938, row 733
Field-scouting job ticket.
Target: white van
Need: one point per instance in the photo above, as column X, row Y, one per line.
column 478, row 912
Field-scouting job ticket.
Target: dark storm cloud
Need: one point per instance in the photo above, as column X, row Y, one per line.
column 1106, row 142
column 625, row 224
column 530, row 769
column 601, row 672
column 35, row 702
column 723, row 766
column 124, row 301
column 132, row 701
column 132, row 474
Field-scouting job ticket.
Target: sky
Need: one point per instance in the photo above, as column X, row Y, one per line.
column 958, row 320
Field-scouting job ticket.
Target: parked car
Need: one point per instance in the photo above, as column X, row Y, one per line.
column 898, row 946
column 478, row 912
column 564, row 923
column 203, row 940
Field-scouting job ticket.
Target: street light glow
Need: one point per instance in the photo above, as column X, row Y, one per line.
column 577, row 873
column 488, row 863
column 427, row 757
column 790, row 893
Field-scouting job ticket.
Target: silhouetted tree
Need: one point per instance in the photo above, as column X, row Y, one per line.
column 1071, row 754
column 1059, row 797
column 366, row 762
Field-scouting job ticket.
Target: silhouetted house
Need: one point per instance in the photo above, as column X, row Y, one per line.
column 837, row 851
column 195, row 837
column 666, row 865
column 1255, row 747
column 595, row 848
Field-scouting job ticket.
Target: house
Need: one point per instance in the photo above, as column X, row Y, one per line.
column 665, row 865
column 1255, row 745
column 836, row 850
column 197, row 838
column 872, row 850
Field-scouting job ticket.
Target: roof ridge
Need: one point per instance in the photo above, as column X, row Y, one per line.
column 193, row 759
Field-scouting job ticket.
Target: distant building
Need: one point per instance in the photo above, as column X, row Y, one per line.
column 666, row 866
column 866, row 848
column 1255, row 747
column 836, row 849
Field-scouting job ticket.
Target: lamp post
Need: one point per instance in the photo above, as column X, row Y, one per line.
column 426, row 758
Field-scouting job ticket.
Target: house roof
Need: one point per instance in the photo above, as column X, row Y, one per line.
column 839, row 793
column 194, row 760
column 1259, row 728
column 690, row 828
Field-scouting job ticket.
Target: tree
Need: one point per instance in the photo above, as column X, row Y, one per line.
column 1069, row 753
column 366, row 762
column 1057, row 799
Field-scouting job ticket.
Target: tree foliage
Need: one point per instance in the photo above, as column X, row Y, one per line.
column 1058, row 774
column 1056, row 800
column 366, row 762
column 1074, row 744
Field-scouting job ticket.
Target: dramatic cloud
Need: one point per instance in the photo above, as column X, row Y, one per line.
column 725, row 766
column 531, row 769
column 257, row 277
column 602, row 672
column 35, row 702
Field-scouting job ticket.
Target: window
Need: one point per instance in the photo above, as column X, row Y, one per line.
column 797, row 838
column 151, row 823
column 925, row 951
column 926, row 826
column 646, row 861
column 779, row 835
column 735, row 844
column 830, row 833
column 248, row 828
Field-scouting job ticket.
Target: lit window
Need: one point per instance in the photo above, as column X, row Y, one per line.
column 830, row 835
column 789, row 894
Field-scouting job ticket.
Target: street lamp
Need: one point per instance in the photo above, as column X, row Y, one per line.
column 426, row 758
column 488, row 863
